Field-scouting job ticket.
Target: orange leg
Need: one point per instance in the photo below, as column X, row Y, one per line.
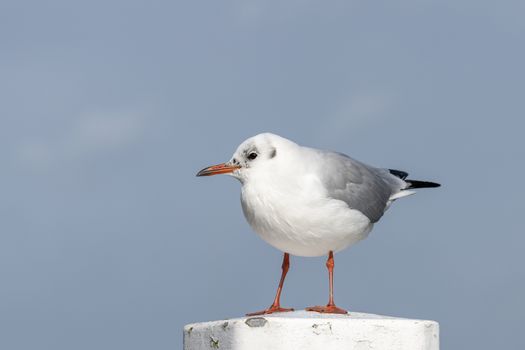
column 330, row 308
column 276, row 306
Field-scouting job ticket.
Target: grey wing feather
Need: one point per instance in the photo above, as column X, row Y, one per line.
column 360, row 186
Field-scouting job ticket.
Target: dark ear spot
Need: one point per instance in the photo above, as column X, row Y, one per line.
column 273, row 153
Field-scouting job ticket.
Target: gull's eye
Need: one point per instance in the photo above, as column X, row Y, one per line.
column 252, row 156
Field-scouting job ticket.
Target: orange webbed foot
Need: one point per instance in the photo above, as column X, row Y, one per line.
column 272, row 309
column 328, row 309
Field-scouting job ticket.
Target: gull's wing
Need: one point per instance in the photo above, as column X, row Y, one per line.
column 360, row 186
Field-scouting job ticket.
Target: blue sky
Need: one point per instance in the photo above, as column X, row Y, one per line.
column 109, row 108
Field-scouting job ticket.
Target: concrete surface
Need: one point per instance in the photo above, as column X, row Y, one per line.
column 310, row 330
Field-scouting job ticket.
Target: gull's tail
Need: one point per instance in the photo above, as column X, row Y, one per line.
column 412, row 183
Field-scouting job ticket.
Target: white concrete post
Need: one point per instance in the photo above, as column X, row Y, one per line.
column 310, row 330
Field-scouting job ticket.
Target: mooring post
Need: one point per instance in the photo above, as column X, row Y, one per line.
column 310, row 330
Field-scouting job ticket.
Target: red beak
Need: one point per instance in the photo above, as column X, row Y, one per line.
column 223, row 168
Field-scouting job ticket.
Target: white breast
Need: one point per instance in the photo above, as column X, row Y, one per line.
column 298, row 218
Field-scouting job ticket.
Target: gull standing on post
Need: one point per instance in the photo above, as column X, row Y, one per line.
column 309, row 202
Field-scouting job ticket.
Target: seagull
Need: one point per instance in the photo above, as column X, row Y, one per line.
column 310, row 202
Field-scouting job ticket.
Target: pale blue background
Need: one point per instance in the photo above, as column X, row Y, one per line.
column 108, row 109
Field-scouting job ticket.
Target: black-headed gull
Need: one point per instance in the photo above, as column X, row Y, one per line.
column 309, row 202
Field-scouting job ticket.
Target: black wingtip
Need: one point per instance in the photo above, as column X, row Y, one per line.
column 421, row 184
column 399, row 173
